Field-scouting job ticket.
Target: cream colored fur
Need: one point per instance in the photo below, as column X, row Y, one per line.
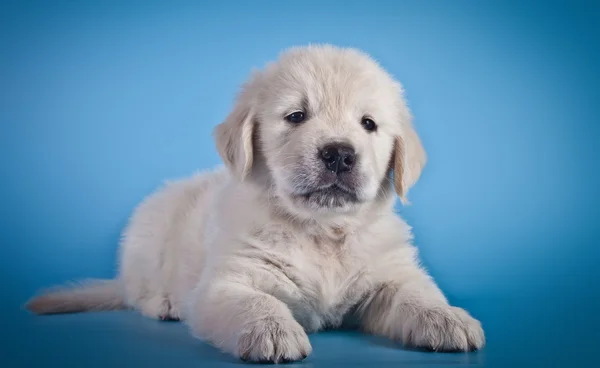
column 251, row 261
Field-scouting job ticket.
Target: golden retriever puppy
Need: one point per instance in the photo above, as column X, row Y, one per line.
column 297, row 233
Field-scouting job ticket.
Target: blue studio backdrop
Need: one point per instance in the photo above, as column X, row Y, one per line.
column 101, row 101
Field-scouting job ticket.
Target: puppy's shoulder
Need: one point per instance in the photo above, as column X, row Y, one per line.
column 388, row 230
column 180, row 195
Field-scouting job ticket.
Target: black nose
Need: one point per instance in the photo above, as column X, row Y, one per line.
column 338, row 157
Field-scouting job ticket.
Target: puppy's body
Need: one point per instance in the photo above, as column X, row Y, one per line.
column 319, row 269
column 298, row 233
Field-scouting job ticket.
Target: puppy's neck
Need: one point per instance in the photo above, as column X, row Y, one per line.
column 330, row 227
column 333, row 228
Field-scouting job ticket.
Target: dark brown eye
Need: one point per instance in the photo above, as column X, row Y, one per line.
column 296, row 117
column 369, row 124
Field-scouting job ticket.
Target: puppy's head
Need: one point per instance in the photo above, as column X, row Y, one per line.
column 328, row 126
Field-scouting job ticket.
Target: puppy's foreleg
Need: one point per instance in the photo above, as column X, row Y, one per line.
column 410, row 308
column 247, row 323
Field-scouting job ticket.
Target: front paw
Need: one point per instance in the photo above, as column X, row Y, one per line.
column 273, row 340
column 443, row 329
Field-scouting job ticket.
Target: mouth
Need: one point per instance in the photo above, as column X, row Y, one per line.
column 331, row 196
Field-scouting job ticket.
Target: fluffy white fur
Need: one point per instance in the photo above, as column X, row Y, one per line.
column 253, row 256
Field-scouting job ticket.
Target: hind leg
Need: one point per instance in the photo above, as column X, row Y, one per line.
column 147, row 295
column 158, row 307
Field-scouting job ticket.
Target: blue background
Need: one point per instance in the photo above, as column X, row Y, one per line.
column 102, row 101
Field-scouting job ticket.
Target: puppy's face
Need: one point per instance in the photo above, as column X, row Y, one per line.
column 330, row 125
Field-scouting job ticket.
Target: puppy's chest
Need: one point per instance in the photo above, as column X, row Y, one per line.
column 321, row 279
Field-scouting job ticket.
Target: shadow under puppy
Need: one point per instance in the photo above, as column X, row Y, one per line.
column 297, row 232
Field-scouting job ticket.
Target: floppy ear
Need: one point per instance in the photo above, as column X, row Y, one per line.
column 234, row 136
column 409, row 159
